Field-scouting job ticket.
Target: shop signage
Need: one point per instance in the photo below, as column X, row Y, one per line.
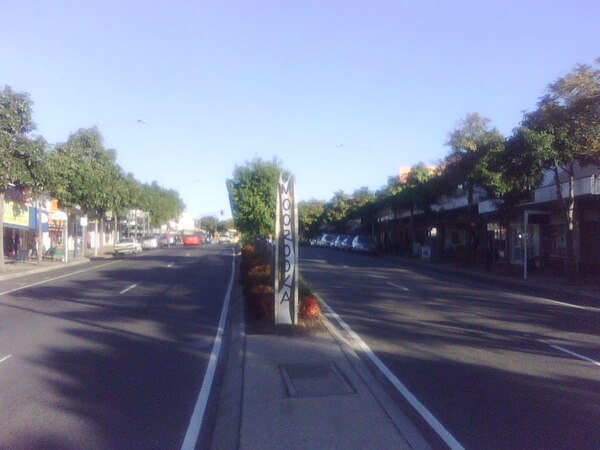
column 16, row 214
column 286, row 253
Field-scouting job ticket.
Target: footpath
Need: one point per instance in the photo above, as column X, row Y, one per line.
column 308, row 387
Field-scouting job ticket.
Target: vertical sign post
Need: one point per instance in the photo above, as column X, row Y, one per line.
column 286, row 253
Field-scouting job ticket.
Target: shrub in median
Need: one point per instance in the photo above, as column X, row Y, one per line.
column 310, row 309
column 260, row 300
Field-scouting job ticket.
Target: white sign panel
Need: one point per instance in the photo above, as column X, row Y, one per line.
column 286, row 253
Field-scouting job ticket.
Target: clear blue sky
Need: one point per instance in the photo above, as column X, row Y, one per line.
column 222, row 82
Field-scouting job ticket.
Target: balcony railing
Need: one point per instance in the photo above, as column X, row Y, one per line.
column 582, row 186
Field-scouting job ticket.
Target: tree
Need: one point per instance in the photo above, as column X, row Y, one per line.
column 337, row 209
column 85, row 174
column 310, row 217
column 253, row 197
column 162, row 204
column 472, row 146
column 416, row 193
column 209, row 223
column 21, row 156
column 567, row 132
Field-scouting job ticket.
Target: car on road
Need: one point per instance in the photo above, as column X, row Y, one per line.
column 127, row 246
column 326, row 240
column 191, row 240
column 363, row 244
column 346, row 244
column 150, row 242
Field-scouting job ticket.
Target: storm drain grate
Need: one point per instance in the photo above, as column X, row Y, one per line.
column 315, row 380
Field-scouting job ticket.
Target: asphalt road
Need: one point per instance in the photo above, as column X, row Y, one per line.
column 110, row 354
column 499, row 369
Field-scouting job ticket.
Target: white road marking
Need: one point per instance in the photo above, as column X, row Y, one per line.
column 127, row 289
column 576, row 355
column 56, row 278
column 4, row 358
column 570, row 305
column 359, row 344
column 397, row 286
column 193, row 431
column 188, row 254
column 170, row 265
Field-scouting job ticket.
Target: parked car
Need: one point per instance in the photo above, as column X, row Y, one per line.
column 149, row 242
column 337, row 244
column 191, row 240
column 166, row 241
column 326, row 240
column 346, row 244
column 127, row 246
column 363, row 244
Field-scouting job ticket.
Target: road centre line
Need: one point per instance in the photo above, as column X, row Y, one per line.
column 359, row 344
column 4, row 358
column 193, row 431
column 389, row 283
column 127, row 289
column 576, row 355
column 56, row 278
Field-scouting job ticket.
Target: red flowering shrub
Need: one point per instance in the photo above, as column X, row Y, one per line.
column 310, row 308
column 259, row 274
column 261, row 299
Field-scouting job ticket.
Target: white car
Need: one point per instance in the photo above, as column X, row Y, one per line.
column 149, row 242
column 127, row 246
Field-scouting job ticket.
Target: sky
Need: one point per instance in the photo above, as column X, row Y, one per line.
column 341, row 93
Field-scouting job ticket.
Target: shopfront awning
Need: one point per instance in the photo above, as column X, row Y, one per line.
column 58, row 216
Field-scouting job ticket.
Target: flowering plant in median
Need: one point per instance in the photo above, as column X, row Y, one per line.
column 310, row 308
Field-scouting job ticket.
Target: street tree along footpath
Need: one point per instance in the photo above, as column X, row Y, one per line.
column 78, row 173
column 565, row 131
column 21, row 155
column 472, row 146
column 310, row 217
column 85, row 174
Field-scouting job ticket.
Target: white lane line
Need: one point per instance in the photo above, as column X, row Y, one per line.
column 570, row 305
column 193, row 431
column 170, row 265
column 4, row 358
column 127, row 289
column 576, row 355
column 359, row 344
column 56, row 278
column 397, row 286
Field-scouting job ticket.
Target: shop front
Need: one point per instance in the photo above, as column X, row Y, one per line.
column 21, row 230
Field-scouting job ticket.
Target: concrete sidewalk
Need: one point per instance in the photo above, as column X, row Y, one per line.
column 303, row 390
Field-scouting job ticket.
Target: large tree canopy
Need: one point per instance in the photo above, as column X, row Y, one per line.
column 84, row 173
column 21, row 155
column 253, row 197
column 566, row 132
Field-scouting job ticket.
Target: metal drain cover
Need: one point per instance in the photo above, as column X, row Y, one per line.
column 315, row 380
